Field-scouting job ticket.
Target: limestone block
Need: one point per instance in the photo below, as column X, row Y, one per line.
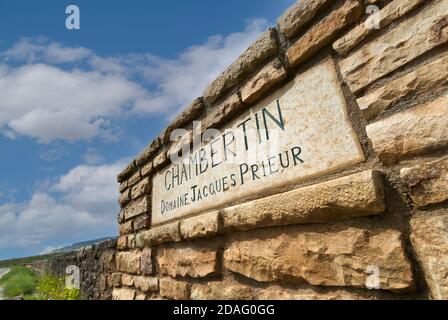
column 159, row 235
column 263, row 48
column 173, row 289
column 324, row 32
column 386, row 16
column 412, row 132
column 322, row 255
column 192, row 260
column 137, row 207
column 401, row 44
column 296, row 17
column 146, row 284
column 141, row 188
column 221, row 291
column 146, row 262
column 424, row 79
column 123, row 294
column 360, row 194
column 427, row 182
column 205, row 225
column 429, row 237
column 255, row 87
column 128, row 262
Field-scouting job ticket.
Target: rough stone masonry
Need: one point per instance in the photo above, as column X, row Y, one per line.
column 360, row 211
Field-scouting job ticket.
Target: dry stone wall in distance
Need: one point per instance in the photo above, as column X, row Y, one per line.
column 97, row 269
column 354, row 203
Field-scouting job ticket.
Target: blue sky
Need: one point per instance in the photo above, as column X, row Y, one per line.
column 76, row 105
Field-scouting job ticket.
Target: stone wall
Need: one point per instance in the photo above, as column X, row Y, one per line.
column 363, row 212
column 96, row 265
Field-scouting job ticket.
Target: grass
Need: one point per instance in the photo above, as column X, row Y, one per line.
column 22, row 261
column 20, row 281
column 50, row 287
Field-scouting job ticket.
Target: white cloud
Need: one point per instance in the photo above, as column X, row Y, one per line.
column 49, row 103
column 81, row 204
column 53, row 92
column 184, row 79
column 33, row 50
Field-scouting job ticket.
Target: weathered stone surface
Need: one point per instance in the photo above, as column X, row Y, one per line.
column 196, row 261
column 123, row 186
column 114, row 280
column 424, row 79
column 160, row 160
column 159, row 235
column 131, row 241
column 146, row 262
column 141, row 188
column 147, row 169
column 179, row 143
column 324, row 32
column 127, row 280
column 96, row 264
column 122, row 243
column 148, row 152
column 313, row 137
column 146, row 284
column 173, row 289
column 321, row 255
column 427, row 183
column 360, row 194
column 128, row 262
column 141, row 222
column 120, row 217
column 296, row 17
column 102, row 282
column 140, row 239
column 108, row 261
column 126, row 228
column 222, row 112
column 123, row 294
column 137, row 207
column 205, row 225
column 134, row 179
column 401, row 44
column 412, row 132
column 429, row 237
column 188, row 115
column 263, row 48
column 124, row 198
column 221, row 291
column 128, row 171
column 314, row 294
column 386, row 16
column 140, row 297
column 270, row 75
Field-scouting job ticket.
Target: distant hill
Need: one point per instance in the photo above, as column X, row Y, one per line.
column 26, row 260
column 81, row 245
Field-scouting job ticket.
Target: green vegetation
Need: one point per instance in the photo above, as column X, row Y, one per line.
column 27, row 260
column 50, row 287
column 20, row 281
